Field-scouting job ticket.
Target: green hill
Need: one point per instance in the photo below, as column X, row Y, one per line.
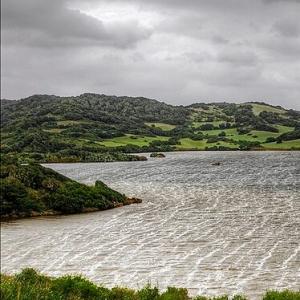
column 93, row 127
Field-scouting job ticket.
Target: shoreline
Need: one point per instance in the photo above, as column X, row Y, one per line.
column 174, row 151
column 53, row 213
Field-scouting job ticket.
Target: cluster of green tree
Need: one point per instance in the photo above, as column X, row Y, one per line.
column 288, row 136
column 276, row 118
column 200, row 105
column 154, row 146
column 29, row 284
column 245, row 118
column 196, row 134
column 27, row 189
column 248, row 145
column 212, row 111
column 74, row 156
column 220, row 148
column 93, row 107
column 241, row 145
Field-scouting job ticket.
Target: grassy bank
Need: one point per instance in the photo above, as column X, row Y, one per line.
column 30, row 285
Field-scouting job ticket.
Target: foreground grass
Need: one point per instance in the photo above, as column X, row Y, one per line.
column 30, row 285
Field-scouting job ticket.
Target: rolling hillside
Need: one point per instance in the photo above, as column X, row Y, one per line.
column 93, row 127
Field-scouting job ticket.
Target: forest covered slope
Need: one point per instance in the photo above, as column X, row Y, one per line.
column 93, row 127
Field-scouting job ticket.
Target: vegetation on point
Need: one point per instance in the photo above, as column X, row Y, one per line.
column 30, row 285
column 32, row 189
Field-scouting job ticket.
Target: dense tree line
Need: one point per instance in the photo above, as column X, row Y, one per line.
column 101, row 108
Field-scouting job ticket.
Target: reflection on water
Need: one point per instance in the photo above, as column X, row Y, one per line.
column 213, row 229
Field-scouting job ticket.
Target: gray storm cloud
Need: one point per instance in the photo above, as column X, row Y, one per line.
column 52, row 23
column 176, row 51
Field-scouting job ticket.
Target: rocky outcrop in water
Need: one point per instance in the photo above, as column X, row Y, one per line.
column 157, row 155
column 138, row 158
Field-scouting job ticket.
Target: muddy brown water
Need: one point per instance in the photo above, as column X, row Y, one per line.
column 214, row 229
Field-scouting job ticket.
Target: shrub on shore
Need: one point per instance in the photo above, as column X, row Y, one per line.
column 30, row 285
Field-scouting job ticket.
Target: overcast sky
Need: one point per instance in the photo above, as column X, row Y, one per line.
column 177, row 51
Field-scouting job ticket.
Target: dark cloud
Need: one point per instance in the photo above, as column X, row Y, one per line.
column 52, row 23
column 173, row 50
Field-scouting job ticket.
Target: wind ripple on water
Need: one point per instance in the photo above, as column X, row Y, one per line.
column 213, row 229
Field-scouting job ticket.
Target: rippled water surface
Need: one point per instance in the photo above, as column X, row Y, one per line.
column 213, row 229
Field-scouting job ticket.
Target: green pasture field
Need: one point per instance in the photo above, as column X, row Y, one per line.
column 258, row 108
column 162, row 126
column 129, row 139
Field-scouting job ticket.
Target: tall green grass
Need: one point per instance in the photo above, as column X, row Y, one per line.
column 30, row 285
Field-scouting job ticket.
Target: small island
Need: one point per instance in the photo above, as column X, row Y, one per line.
column 157, row 155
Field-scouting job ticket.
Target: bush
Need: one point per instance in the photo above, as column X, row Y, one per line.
column 248, row 145
column 270, row 139
column 207, row 126
column 77, row 287
column 284, row 295
column 293, row 135
column 242, row 130
column 30, row 285
column 173, row 293
column 25, row 286
column 212, row 139
column 148, row 293
column 264, row 127
column 14, row 197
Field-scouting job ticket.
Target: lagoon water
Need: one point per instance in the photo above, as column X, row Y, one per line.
column 232, row 228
